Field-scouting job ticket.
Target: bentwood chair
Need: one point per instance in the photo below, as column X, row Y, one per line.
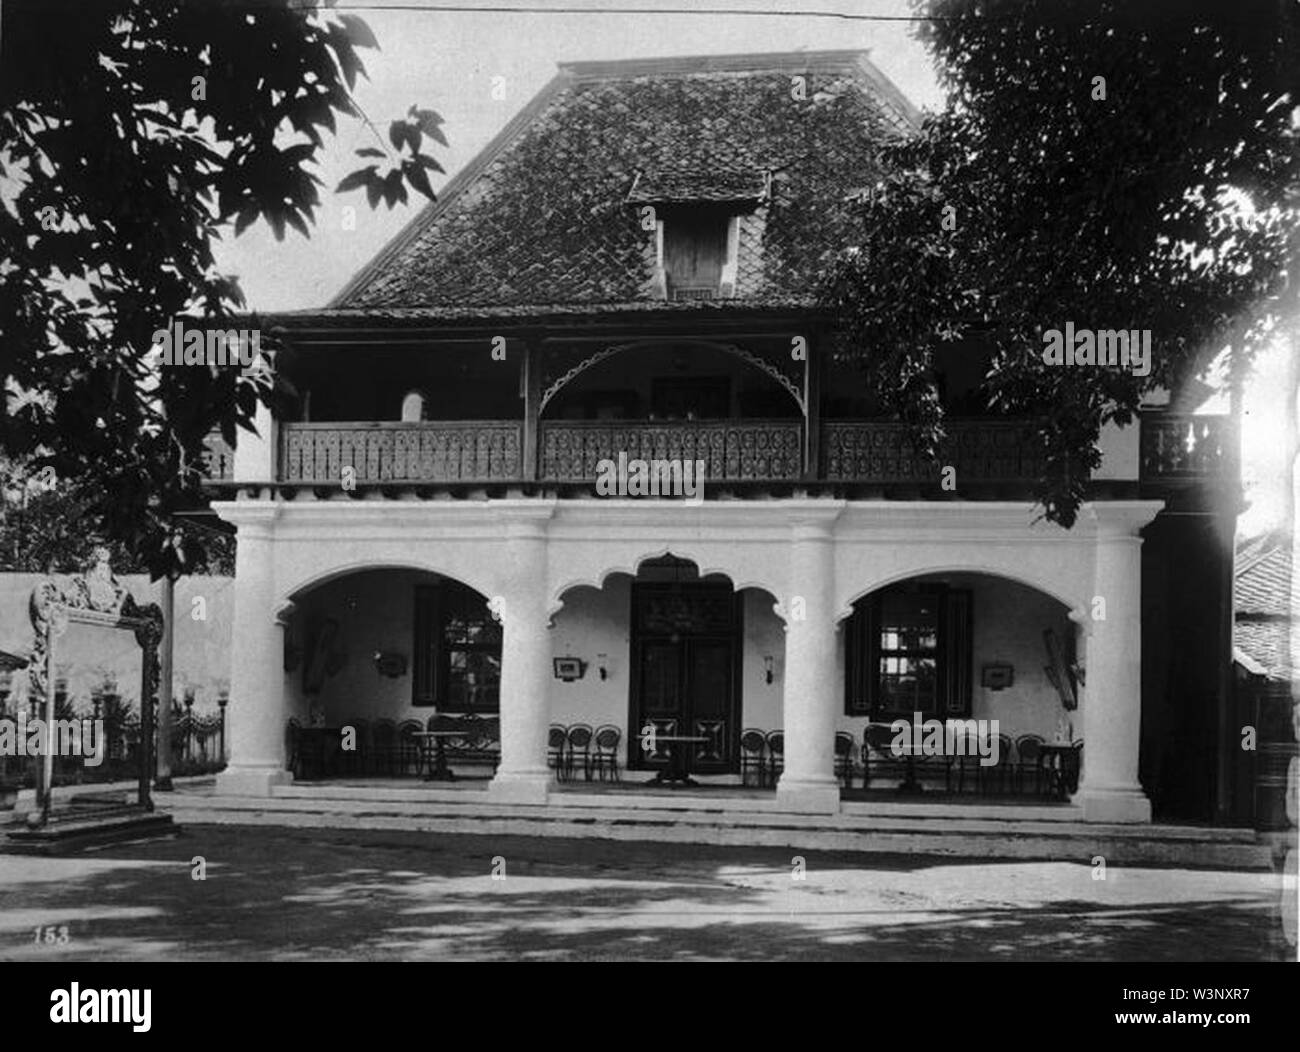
column 775, row 755
column 357, row 760
column 605, row 759
column 408, row 747
column 878, row 759
column 1029, row 759
column 753, row 746
column 1003, row 771
column 969, row 762
column 844, row 745
column 555, row 739
column 580, row 735
column 383, row 738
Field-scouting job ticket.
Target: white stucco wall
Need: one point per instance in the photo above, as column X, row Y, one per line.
column 375, row 611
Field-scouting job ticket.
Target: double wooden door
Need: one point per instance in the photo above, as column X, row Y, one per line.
column 686, row 661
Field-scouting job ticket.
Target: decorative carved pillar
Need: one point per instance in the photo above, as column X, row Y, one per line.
column 531, row 382
column 523, row 775
column 808, row 782
column 258, row 703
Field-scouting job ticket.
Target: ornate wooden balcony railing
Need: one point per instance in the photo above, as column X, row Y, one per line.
column 732, row 450
column 981, row 451
column 1184, row 447
column 1174, row 448
column 434, row 451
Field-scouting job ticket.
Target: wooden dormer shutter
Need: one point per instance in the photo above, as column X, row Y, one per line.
column 695, row 249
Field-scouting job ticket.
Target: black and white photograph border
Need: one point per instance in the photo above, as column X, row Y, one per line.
column 529, row 481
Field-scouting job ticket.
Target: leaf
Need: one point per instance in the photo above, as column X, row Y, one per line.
column 416, row 176
column 371, row 151
column 296, row 221
column 245, row 219
column 353, row 180
column 358, row 31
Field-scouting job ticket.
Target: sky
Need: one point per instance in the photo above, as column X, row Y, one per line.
column 449, row 61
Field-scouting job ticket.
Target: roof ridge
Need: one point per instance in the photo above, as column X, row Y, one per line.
column 737, row 62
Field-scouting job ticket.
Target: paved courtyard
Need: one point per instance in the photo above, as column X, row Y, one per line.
column 293, row 894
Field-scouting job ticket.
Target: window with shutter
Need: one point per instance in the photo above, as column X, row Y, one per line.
column 908, row 650
column 457, row 650
column 695, row 250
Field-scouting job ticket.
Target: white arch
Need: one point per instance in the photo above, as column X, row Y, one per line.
column 1025, row 580
column 632, row 566
column 298, row 589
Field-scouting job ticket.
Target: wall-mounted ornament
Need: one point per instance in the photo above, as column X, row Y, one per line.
column 602, row 665
column 767, row 668
column 290, row 628
column 1063, row 672
column 997, row 677
column 390, row 664
column 324, row 658
column 569, row 668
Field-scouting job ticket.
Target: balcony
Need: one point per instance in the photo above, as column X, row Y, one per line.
column 1175, row 449
column 1184, row 448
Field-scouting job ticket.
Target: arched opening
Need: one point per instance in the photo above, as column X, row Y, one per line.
column 969, row 653
column 382, row 652
column 676, row 661
column 674, row 381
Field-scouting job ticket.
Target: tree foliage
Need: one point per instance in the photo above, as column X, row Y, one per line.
column 1113, row 164
column 133, row 134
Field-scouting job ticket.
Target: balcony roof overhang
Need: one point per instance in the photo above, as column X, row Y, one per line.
column 452, row 323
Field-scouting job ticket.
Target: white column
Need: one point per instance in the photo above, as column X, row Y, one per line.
column 808, row 782
column 258, row 709
column 254, row 459
column 1111, row 707
column 523, row 776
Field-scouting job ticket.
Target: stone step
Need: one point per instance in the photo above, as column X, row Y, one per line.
column 75, row 828
column 943, row 835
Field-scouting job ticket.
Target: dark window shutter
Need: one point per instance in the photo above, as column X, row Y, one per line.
column 424, row 681
column 955, row 638
column 860, row 658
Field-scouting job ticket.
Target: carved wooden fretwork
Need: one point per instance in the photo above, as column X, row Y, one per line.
column 760, row 363
column 464, row 451
column 884, row 452
column 768, row 450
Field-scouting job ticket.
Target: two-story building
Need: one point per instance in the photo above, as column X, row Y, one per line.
column 630, row 269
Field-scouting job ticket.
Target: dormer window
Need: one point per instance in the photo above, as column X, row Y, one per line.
column 697, row 222
column 695, row 252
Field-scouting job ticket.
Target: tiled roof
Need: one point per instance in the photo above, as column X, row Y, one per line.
column 548, row 213
column 1268, row 644
column 1263, row 619
column 1263, row 576
column 689, row 185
